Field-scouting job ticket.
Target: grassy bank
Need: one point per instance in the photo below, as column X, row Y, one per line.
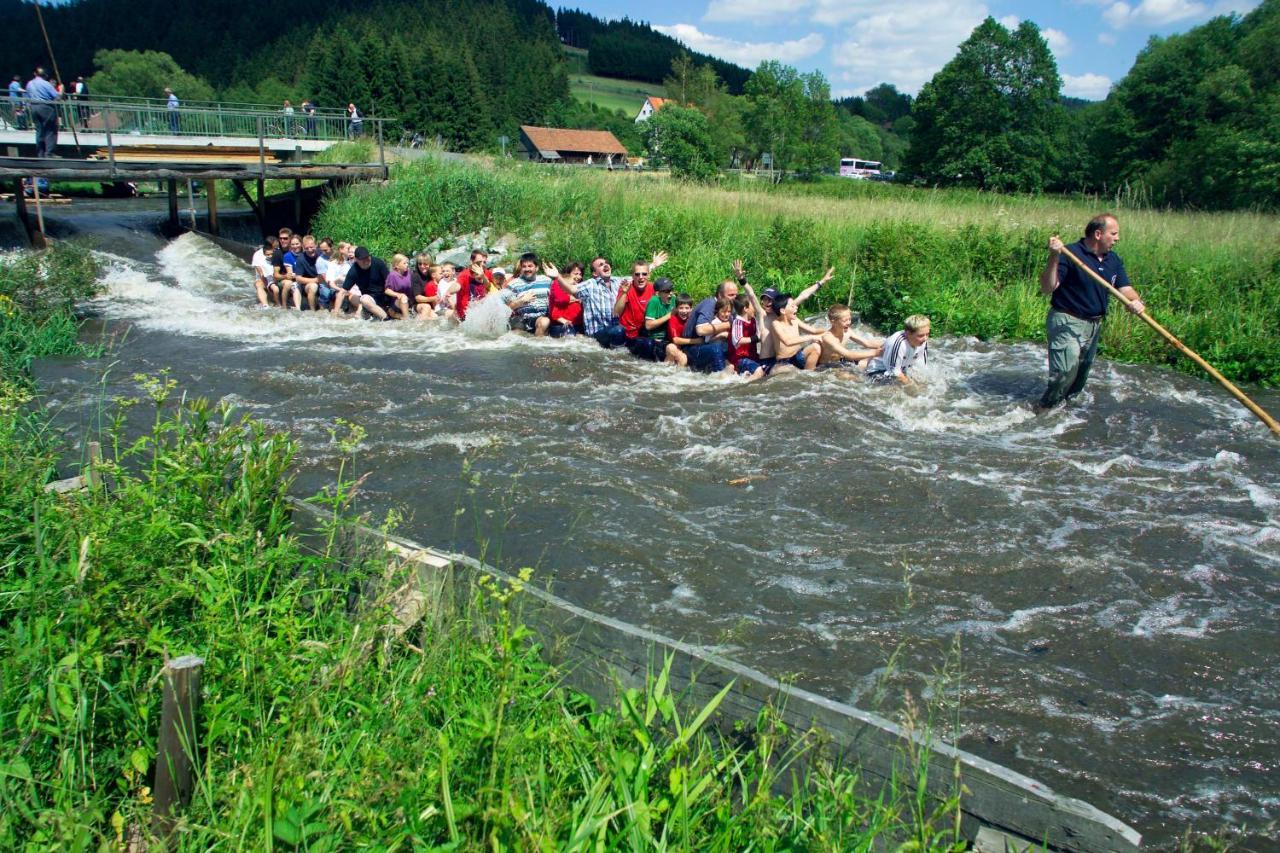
column 968, row 259
column 317, row 732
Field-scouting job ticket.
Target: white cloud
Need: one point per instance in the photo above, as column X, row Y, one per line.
column 752, row 11
column 1094, row 87
column 1108, row 39
column 745, row 53
column 1009, row 22
column 904, row 45
column 1058, row 41
column 1153, row 13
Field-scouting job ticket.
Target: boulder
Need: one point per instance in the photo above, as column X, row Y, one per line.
column 459, row 256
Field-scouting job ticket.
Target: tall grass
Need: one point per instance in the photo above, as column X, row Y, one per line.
column 970, row 260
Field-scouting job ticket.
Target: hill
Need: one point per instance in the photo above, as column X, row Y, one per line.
column 633, row 50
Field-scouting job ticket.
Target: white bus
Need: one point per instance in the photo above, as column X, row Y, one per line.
column 851, row 167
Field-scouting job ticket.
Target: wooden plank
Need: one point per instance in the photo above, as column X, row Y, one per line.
column 211, row 200
column 599, row 654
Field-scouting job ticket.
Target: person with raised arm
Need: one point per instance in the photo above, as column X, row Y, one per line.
column 766, row 315
column 564, row 312
column 795, row 343
column 633, row 299
column 600, row 302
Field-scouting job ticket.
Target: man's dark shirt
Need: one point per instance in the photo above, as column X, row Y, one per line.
column 277, row 259
column 372, row 281
column 703, row 312
column 1078, row 294
column 304, row 266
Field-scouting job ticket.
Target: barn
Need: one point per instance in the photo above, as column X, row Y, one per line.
column 558, row 145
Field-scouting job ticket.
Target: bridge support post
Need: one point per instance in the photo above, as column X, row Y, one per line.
column 173, row 205
column 297, row 203
column 34, row 238
column 211, row 198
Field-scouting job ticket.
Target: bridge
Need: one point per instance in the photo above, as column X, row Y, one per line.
column 118, row 140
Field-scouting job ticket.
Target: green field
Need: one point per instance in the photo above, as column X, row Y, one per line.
column 969, row 259
column 606, row 92
column 625, row 95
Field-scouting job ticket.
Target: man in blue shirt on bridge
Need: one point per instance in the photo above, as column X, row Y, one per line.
column 44, row 113
column 1078, row 304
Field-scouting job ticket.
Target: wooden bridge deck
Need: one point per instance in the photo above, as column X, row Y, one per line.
column 185, row 169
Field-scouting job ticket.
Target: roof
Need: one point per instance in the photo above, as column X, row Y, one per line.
column 586, row 141
column 656, row 103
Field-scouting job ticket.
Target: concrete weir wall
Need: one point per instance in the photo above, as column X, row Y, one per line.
column 598, row 655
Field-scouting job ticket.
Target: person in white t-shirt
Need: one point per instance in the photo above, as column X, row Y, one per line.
column 335, row 277
column 264, row 281
column 904, row 352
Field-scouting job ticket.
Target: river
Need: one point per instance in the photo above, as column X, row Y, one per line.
column 1094, row 588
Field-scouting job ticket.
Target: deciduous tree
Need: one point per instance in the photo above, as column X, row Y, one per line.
column 987, row 118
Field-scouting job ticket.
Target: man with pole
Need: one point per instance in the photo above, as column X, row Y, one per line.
column 1078, row 304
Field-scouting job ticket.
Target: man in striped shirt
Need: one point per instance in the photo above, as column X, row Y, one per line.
column 600, row 303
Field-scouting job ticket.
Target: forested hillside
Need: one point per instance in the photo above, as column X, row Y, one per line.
column 636, row 51
column 464, row 69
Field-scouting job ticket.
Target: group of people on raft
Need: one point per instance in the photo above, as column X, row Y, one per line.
column 734, row 331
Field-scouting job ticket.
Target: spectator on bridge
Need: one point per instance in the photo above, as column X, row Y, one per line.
column 80, row 94
column 288, row 118
column 44, row 113
column 356, row 127
column 17, row 113
column 309, row 110
column 172, row 106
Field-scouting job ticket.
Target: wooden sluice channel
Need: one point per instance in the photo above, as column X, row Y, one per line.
column 599, row 655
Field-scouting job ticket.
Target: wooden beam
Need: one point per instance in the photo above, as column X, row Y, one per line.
column 173, row 204
column 34, row 238
column 211, row 199
column 297, row 204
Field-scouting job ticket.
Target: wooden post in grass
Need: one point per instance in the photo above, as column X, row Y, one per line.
column 177, row 747
column 92, row 477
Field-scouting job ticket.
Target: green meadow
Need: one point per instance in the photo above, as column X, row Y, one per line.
column 968, row 259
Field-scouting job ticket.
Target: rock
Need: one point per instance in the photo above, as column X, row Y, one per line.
column 459, row 256
column 435, row 245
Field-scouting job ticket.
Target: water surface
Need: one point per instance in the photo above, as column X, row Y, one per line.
column 1107, row 573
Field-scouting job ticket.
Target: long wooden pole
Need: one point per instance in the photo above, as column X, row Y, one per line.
column 1181, row 347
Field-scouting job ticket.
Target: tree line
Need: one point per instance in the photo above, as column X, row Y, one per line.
column 1195, row 122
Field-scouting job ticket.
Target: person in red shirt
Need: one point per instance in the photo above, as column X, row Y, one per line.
column 564, row 312
column 633, row 297
column 743, row 353
column 676, row 341
column 474, row 282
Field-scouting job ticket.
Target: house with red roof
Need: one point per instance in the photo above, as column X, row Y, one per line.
column 559, row 145
column 649, row 107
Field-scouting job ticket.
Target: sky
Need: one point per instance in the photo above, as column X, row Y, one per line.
column 858, row 44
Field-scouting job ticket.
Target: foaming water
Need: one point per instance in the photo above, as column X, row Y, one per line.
column 1109, row 568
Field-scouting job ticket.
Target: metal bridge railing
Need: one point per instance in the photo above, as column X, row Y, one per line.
column 121, row 120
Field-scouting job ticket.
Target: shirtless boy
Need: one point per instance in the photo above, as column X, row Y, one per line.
column 836, row 349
